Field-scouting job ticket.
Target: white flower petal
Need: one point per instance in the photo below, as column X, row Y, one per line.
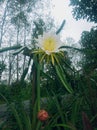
column 49, row 42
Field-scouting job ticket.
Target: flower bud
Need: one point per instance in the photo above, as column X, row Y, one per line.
column 43, row 115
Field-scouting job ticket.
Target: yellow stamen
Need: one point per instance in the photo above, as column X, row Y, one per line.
column 49, row 44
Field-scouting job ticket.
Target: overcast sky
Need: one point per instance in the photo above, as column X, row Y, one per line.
column 61, row 10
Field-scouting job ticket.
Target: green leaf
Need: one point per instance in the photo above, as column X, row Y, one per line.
column 26, row 120
column 62, row 78
column 59, row 108
column 75, row 110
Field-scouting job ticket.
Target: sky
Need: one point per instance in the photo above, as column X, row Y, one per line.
column 60, row 11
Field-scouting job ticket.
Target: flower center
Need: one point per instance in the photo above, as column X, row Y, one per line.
column 49, row 44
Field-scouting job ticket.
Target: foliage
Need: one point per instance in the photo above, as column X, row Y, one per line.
column 85, row 9
column 65, row 112
column 89, row 44
column 5, row 90
column 16, row 91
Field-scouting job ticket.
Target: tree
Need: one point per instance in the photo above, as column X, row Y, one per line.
column 86, row 9
column 89, row 68
column 89, row 44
